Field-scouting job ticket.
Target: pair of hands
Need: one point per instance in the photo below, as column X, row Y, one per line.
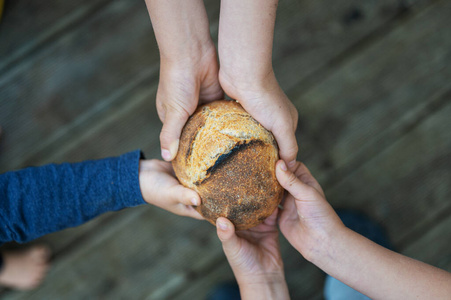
column 183, row 87
column 306, row 220
column 190, row 73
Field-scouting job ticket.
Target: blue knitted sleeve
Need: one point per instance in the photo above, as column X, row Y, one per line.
column 40, row 200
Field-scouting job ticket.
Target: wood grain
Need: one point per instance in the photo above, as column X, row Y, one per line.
column 369, row 78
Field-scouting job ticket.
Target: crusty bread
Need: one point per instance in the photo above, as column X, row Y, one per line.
column 229, row 159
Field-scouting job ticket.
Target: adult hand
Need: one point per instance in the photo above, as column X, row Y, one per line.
column 188, row 66
column 159, row 187
column 264, row 100
column 183, row 86
column 307, row 218
column 254, row 256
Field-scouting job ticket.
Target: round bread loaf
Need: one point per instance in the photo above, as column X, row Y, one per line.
column 229, row 159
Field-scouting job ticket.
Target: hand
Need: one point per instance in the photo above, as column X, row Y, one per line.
column 183, row 86
column 264, row 100
column 307, row 218
column 254, row 256
column 188, row 65
column 245, row 41
column 159, row 187
column 310, row 224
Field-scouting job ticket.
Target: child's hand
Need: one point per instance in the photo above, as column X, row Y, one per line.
column 254, row 256
column 160, row 188
column 307, row 218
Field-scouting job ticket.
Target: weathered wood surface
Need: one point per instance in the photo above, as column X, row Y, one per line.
column 36, row 24
column 48, row 122
column 386, row 203
column 62, row 90
column 389, row 84
column 433, row 247
column 346, row 135
column 312, row 36
column 406, row 186
column 77, row 77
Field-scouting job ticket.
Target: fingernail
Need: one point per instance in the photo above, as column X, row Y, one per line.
column 165, row 154
column 291, row 164
column 222, row 225
column 283, row 166
column 195, row 201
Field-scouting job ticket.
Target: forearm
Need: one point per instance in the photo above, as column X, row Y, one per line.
column 378, row 272
column 181, row 29
column 40, row 200
column 246, row 31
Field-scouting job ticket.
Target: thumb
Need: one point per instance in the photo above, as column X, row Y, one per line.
column 226, row 233
column 183, row 195
column 288, row 180
column 288, row 146
column 170, row 133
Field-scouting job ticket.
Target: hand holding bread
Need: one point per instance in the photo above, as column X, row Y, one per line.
column 159, row 187
column 255, row 258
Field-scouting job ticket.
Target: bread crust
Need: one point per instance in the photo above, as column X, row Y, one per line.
column 229, row 159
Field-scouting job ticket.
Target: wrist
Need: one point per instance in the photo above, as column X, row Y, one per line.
column 191, row 53
column 144, row 177
column 181, row 28
column 268, row 286
column 243, row 85
column 321, row 246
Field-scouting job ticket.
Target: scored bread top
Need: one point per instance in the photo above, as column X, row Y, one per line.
column 214, row 131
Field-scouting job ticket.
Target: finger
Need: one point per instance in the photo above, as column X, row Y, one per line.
column 226, row 233
column 186, row 198
column 272, row 219
column 304, row 174
column 288, row 146
column 289, row 210
column 175, row 120
column 288, row 180
column 183, row 195
column 190, row 211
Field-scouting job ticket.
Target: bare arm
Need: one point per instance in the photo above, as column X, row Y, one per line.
column 189, row 67
column 378, row 272
column 313, row 228
column 246, row 30
column 181, row 28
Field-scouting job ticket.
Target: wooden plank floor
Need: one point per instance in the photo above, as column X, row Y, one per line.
column 370, row 80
